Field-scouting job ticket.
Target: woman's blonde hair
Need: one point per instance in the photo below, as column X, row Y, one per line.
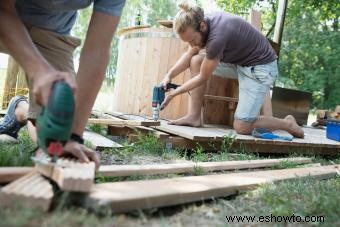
column 188, row 15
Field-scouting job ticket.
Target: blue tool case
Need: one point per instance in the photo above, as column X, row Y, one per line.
column 333, row 129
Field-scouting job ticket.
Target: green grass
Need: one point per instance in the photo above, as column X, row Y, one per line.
column 299, row 197
column 98, row 128
column 303, row 197
column 17, row 154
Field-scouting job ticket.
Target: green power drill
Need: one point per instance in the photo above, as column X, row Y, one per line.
column 54, row 124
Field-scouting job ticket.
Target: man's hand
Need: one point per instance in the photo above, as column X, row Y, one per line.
column 167, row 100
column 43, row 81
column 166, row 80
column 194, row 50
column 81, row 152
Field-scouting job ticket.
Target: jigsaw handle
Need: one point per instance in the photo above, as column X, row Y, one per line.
column 171, row 86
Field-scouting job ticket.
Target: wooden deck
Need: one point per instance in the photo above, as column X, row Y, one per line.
column 315, row 141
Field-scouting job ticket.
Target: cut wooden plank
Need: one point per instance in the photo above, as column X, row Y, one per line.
column 129, row 170
column 70, row 175
column 118, row 121
column 31, row 190
column 8, row 174
column 125, row 196
column 220, row 98
column 99, row 141
column 192, row 133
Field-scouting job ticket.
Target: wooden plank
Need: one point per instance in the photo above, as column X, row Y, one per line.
column 220, row 98
column 279, row 23
column 255, row 19
column 315, row 139
column 156, row 133
column 129, row 170
column 8, row 174
column 118, row 121
column 99, row 141
column 192, row 133
column 31, row 190
column 125, row 196
column 122, row 130
column 70, row 175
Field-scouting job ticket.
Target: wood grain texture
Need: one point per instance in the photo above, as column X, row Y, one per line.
column 69, row 175
column 129, row 170
column 143, row 61
column 31, row 190
column 8, row 174
column 125, row 196
column 99, row 141
column 117, row 121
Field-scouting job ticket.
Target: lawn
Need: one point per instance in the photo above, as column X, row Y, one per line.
column 301, row 197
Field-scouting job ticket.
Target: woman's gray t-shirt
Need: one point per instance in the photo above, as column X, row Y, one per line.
column 233, row 40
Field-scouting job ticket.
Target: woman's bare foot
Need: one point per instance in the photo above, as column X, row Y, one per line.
column 187, row 120
column 294, row 128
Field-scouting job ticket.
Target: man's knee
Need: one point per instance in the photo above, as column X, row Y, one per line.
column 196, row 62
column 242, row 127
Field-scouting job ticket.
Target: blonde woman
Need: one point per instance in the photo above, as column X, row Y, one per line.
column 232, row 45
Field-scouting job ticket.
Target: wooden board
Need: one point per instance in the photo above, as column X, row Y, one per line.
column 152, row 51
column 8, row 174
column 117, row 121
column 315, row 141
column 99, row 141
column 125, row 196
column 128, row 29
column 129, row 170
column 69, row 175
column 31, row 190
column 191, row 133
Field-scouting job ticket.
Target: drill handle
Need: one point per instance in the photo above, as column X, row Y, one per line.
column 171, row 86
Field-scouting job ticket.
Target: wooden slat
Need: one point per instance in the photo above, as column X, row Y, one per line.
column 8, row 174
column 125, row 196
column 280, row 19
column 220, row 98
column 255, row 19
column 32, row 190
column 70, row 175
column 183, row 131
column 159, row 134
column 129, row 170
column 118, row 121
column 99, row 141
column 192, row 133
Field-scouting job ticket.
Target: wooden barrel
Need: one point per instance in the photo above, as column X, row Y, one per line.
column 145, row 56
